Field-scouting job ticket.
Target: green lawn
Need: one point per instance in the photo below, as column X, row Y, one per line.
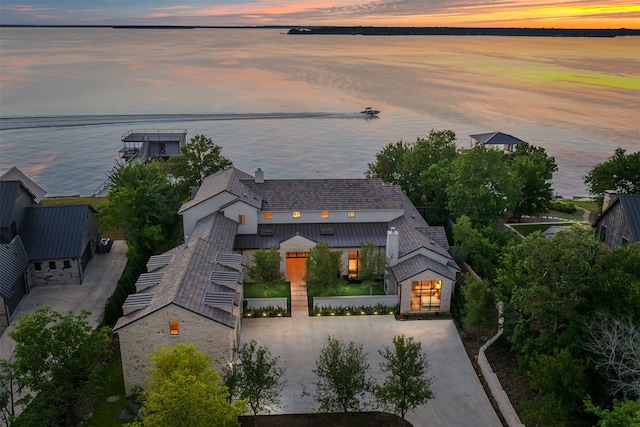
column 267, row 290
column 94, row 202
column 106, row 414
column 526, row 229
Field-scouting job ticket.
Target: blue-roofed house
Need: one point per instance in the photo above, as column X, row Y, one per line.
column 619, row 223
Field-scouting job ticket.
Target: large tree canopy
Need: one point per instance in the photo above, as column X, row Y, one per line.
column 483, row 186
column 197, row 160
column 142, row 202
column 535, row 169
column 185, row 391
column 621, row 172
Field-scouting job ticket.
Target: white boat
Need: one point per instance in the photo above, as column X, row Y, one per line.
column 369, row 112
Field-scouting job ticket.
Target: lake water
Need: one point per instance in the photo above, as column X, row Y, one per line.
column 289, row 104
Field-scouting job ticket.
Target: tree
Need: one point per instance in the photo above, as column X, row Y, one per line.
column 407, row 384
column 619, row 283
column 8, row 392
column 142, row 203
column 548, row 281
column 257, row 377
column 535, row 169
column 480, row 312
column 623, row 414
column 266, row 266
column 483, row 186
column 613, row 345
column 341, row 371
column 387, row 164
column 475, row 248
column 323, row 269
column 197, row 160
column 372, row 262
column 185, row 391
column 621, row 172
column 56, row 358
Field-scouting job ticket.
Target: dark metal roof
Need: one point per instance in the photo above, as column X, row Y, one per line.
column 8, row 196
column 343, row 235
column 15, row 174
column 326, row 194
column 13, row 263
column 55, row 232
column 496, row 138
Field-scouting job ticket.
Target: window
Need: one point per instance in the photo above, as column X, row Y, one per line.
column 351, row 214
column 67, row 263
column 354, row 263
column 425, row 295
column 296, row 214
column 241, row 219
column 173, row 327
column 268, row 215
column 52, row 265
column 603, row 233
column 325, row 214
column 37, row 266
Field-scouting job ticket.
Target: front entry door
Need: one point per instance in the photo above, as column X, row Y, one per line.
column 296, row 267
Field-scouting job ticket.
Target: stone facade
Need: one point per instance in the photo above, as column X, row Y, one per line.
column 60, row 275
column 139, row 338
column 445, row 291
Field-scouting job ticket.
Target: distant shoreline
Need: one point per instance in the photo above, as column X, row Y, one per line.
column 380, row 31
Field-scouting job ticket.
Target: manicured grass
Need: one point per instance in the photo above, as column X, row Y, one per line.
column 267, row 290
column 589, row 205
column 106, row 414
column 526, row 229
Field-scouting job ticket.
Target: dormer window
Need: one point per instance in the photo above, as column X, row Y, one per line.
column 296, row 214
column 268, row 215
column 325, row 214
column 351, row 214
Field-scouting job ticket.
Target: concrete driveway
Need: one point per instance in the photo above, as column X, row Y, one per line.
column 99, row 283
column 459, row 399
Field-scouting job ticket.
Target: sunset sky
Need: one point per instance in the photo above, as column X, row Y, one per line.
column 460, row 13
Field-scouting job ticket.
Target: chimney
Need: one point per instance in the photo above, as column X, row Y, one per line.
column 609, row 197
column 392, row 246
column 259, row 176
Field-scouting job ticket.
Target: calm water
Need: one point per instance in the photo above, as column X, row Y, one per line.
column 288, row 104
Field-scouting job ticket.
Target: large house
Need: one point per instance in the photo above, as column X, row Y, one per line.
column 39, row 245
column 619, row 223
column 193, row 293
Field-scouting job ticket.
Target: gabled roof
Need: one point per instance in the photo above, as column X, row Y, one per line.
column 416, row 265
column 13, row 263
column 55, row 232
column 187, row 282
column 496, row 138
column 8, row 195
column 631, row 209
column 224, row 181
column 326, row 194
column 15, row 174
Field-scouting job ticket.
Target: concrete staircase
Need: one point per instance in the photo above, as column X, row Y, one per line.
column 299, row 305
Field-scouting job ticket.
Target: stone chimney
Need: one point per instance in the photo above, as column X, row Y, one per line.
column 609, row 197
column 392, row 246
column 259, row 176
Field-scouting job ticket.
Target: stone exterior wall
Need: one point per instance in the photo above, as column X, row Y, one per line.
column 445, row 291
column 58, row 276
column 141, row 337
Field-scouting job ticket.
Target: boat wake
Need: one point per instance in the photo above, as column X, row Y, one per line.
column 65, row 121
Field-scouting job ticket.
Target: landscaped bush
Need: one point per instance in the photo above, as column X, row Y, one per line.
column 355, row 311
column 265, row 312
column 562, row 206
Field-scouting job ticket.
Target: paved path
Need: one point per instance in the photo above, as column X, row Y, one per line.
column 299, row 300
column 459, row 398
column 99, row 283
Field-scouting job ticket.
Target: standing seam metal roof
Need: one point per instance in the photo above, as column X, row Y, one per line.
column 13, row 263
column 55, row 232
column 15, row 174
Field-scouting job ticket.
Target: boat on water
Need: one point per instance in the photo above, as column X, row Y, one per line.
column 370, row 112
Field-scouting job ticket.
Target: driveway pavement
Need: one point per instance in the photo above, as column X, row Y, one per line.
column 99, row 283
column 459, row 399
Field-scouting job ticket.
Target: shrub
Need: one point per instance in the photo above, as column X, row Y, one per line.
column 266, row 266
column 562, row 206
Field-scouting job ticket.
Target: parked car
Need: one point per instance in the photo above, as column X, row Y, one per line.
column 104, row 245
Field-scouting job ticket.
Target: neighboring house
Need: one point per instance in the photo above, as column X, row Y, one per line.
column 619, row 223
column 39, row 245
column 191, row 294
column 60, row 241
column 496, row 140
column 148, row 144
column 294, row 215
